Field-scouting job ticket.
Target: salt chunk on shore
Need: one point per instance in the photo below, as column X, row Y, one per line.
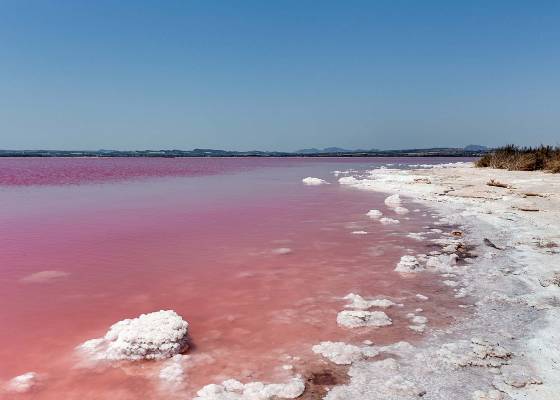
column 157, row 335
column 359, row 233
column 313, row 181
column 421, row 297
column 22, row 383
column 389, row 221
column 342, row 353
column 359, row 318
column 408, row 264
column 375, row 214
column 235, row 390
column 393, row 201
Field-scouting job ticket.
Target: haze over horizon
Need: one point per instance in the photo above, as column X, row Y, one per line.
column 278, row 76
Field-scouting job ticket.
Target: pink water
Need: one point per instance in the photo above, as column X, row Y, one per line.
column 196, row 236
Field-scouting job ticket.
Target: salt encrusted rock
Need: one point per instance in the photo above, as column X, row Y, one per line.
column 408, row 264
column 359, row 303
column 359, row 233
column 421, row 297
column 375, row 214
column 450, row 283
column 235, row 390
column 313, row 181
column 358, row 319
column 379, row 380
column 342, row 353
column 389, row 221
column 393, row 201
column 22, row 383
column 157, row 335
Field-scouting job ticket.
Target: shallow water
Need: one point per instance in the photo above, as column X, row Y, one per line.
column 201, row 237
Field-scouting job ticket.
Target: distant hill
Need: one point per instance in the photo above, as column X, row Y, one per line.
column 475, row 147
column 469, row 151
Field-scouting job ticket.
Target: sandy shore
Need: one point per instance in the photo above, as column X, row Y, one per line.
column 509, row 278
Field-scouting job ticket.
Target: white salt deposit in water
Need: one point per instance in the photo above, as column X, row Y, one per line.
column 359, row 318
column 22, row 383
column 359, row 303
column 408, row 264
column 389, row 221
column 375, row 214
column 157, row 335
column 313, row 181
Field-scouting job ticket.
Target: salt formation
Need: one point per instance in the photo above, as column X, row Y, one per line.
column 389, row 221
column 393, row 201
column 22, row 383
column 342, row 353
column 408, row 264
column 157, row 335
column 375, row 214
column 359, row 318
column 234, row 390
column 359, row 303
column 172, row 373
column 401, row 210
column 359, row 233
column 313, row 181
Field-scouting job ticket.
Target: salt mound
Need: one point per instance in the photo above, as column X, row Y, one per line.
column 22, row 383
column 358, row 319
column 342, row 353
column 408, row 264
column 234, row 390
column 156, row 335
column 313, row 181
column 376, row 214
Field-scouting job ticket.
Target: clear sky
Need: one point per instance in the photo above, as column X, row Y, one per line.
column 278, row 75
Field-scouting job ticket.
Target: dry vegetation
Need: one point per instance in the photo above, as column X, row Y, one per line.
column 523, row 158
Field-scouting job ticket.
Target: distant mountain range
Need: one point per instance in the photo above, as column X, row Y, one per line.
column 470, row 150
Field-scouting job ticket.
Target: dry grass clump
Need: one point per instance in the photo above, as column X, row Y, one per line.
column 523, row 158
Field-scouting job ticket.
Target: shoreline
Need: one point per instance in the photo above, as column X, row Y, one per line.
column 506, row 349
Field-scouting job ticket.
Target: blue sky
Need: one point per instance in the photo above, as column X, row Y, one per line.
column 279, row 75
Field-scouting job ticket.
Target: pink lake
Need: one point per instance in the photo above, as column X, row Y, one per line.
column 201, row 237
